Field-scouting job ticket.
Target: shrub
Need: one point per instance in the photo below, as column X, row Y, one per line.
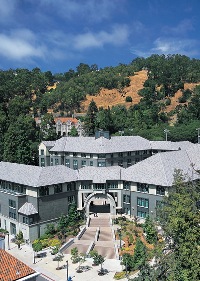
column 128, row 99
column 119, row 275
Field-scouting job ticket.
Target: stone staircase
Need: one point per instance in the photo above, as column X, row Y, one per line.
column 99, row 232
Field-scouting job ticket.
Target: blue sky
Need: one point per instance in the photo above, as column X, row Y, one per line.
column 57, row 35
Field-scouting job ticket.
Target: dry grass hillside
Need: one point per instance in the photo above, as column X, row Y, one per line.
column 113, row 97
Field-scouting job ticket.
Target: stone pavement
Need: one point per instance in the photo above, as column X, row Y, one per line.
column 47, row 267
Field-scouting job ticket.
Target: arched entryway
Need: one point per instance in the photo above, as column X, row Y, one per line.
column 100, row 203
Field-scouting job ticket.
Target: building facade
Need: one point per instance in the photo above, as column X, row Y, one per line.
column 32, row 197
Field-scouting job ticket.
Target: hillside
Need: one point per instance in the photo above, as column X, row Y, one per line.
column 113, row 97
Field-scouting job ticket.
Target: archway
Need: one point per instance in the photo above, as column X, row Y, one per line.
column 103, row 197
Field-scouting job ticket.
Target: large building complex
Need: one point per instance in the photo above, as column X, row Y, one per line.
column 130, row 174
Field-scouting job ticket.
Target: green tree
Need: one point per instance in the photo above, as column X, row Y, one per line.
column 48, row 127
column 180, row 220
column 90, row 118
column 21, row 141
column 150, row 230
column 19, row 239
column 73, row 132
column 140, row 254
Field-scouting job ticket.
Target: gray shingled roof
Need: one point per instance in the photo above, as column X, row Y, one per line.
column 159, row 169
column 101, row 145
column 28, row 209
column 114, row 144
column 169, row 145
column 100, row 175
column 36, row 176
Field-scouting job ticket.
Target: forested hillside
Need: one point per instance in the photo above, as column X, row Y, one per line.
column 135, row 99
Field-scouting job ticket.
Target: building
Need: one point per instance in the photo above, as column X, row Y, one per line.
column 12, row 269
column 31, row 197
column 64, row 125
column 102, row 150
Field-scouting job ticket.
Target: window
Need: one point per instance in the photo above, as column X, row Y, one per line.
column 43, row 191
column 83, row 155
column 58, row 188
column 137, row 160
column 111, row 155
column 142, row 214
column 137, row 153
column 126, row 199
column 75, row 164
column 83, row 163
column 120, row 154
column 101, row 156
column 71, row 199
column 142, row 202
column 120, row 163
column 13, row 228
column 12, row 209
column 12, row 203
column 129, row 153
column 91, row 163
column 129, row 163
column 42, row 151
column 102, row 164
column 127, row 185
column 113, row 184
column 91, row 155
column 56, row 161
column 100, row 186
column 74, row 154
column 142, row 187
column 25, row 220
column 42, row 162
column 85, row 185
column 51, row 161
column 70, row 186
column 67, row 163
column 160, row 190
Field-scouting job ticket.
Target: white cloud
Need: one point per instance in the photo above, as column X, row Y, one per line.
column 175, row 46
column 19, row 45
column 166, row 46
column 118, row 36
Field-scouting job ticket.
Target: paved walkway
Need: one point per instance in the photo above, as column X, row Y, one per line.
column 47, row 267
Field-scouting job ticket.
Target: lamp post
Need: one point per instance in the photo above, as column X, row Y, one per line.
column 166, row 131
column 198, row 130
column 8, row 241
column 67, row 270
column 120, row 237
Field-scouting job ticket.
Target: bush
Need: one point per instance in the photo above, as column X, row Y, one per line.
column 119, row 275
column 128, row 99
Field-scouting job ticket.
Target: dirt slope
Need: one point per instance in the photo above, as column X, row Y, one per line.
column 113, row 97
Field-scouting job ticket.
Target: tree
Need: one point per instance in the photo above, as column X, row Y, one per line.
column 150, row 230
column 147, row 273
column 48, row 127
column 59, row 257
column 21, row 141
column 19, row 239
column 140, row 254
column 73, row 132
column 180, row 221
column 90, row 118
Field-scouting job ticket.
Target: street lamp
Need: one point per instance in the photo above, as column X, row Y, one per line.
column 67, row 270
column 198, row 134
column 8, row 242
column 120, row 237
column 166, row 131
